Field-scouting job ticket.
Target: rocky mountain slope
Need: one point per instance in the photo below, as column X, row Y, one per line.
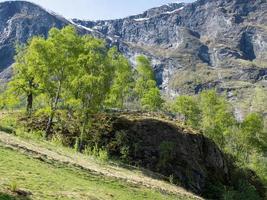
column 205, row 44
column 19, row 21
column 198, row 45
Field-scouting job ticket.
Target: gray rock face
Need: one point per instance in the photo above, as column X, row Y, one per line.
column 19, row 21
column 204, row 37
column 206, row 44
column 192, row 159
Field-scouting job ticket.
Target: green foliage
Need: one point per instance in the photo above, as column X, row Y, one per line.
column 171, row 179
column 241, row 190
column 152, row 99
column 103, row 155
column 217, row 116
column 77, row 73
column 208, row 112
column 57, row 140
column 245, row 141
column 92, row 79
column 246, row 191
column 122, row 85
column 253, row 131
column 8, row 124
column 99, row 153
column 258, row 163
column 23, row 83
column 9, row 101
column 189, row 108
column 122, row 141
column 145, row 86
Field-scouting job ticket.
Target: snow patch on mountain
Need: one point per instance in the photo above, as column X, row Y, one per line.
column 174, row 11
column 141, row 19
column 81, row 26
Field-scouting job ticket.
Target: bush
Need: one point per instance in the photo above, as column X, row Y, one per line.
column 57, row 139
column 98, row 153
column 241, row 190
column 103, row 155
column 8, row 124
column 246, row 191
column 171, row 179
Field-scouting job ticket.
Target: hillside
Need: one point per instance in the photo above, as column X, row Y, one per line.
column 197, row 159
column 163, row 150
column 48, row 172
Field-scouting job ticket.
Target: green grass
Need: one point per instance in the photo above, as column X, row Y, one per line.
column 52, row 181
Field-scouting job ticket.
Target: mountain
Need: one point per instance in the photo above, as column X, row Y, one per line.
column 205, row 44
column 19, row 21
column 210, row 36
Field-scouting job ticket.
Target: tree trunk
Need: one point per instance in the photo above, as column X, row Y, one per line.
column 85, row 122
column 49, row 125
column 29, row 104
column 53, row 110
column 30, row 98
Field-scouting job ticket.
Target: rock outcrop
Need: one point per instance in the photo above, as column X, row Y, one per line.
column 153, row 142
column 192, row 160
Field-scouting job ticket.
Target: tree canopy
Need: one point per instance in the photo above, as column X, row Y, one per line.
column 145, row 86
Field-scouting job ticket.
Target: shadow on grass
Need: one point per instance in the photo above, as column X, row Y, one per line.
column 8, row 130
column 4, row 196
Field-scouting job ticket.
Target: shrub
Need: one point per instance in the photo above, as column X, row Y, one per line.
column 13, row 186
column 166, row 153
column 103, row 155
column 246, row 191
column 124, row 152
column 57, row 140
column 8, row 124
column 98, row 153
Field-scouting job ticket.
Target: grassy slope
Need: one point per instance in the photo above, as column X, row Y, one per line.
column 50, row 181
column 48, row 175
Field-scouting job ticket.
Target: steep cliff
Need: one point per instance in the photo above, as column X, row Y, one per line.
column 205, row 44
